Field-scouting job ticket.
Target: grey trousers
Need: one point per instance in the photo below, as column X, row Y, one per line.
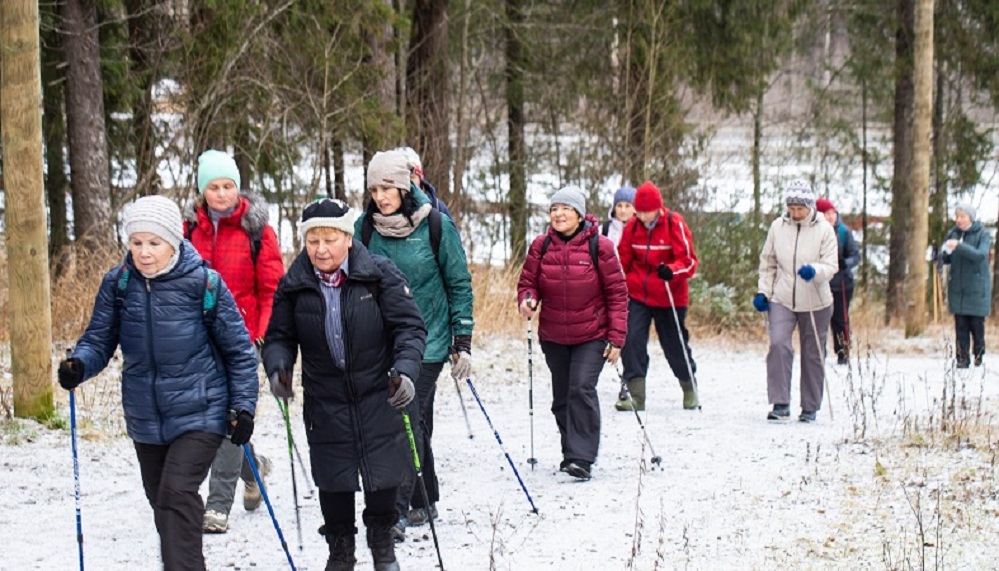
column 781, row 355
column 228, row 467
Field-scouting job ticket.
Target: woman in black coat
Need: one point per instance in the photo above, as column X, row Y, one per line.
column 354, row 319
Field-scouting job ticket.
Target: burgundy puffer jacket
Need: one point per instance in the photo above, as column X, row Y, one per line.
column 578, row 304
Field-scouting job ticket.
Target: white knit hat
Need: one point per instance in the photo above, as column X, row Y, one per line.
column 389, row 168
column 327, row 213
column 157, row 215
column 799, row 192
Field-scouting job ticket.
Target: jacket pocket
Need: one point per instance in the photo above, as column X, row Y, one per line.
column 178, row 397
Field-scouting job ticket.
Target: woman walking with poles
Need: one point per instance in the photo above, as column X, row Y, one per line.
column 575, row 275
column 841, row 284
column 351, row 315
column 796, row 264
column 230, row 231
column 189, row 374
column 402, row 225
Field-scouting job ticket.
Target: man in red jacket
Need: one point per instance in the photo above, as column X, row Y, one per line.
column 230, row 231
column 657, row 251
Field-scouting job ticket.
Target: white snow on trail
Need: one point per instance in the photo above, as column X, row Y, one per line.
column 733, row 491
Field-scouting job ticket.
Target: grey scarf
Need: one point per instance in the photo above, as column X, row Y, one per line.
column 396, row 225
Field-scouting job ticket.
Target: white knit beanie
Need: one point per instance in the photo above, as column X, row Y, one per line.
column 799, row 192
column 157, row 215
column 572, row 197
column 389, row 168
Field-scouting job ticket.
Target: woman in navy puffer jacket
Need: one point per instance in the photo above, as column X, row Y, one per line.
column 186, row 377
column 583, row 320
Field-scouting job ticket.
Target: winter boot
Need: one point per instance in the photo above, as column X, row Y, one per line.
column 690, row 401
column 251, row 491
column 380, row 540
column 780, row 412
column 341, row 542
column 636, row 387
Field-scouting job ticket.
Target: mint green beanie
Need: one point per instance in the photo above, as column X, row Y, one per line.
column 214, row 164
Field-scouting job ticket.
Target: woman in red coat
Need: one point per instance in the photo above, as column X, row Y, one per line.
column 583, row 320
column 230, row 231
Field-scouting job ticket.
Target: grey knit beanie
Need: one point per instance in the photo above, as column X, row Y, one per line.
column 799, row 192
column 572, row 197
column 389, row 168
column 968, row 209
column 157, row 215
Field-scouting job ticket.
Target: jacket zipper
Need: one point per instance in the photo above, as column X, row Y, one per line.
column 152, row 355
column 362, row 452
column 648, row 249
column 794, row 272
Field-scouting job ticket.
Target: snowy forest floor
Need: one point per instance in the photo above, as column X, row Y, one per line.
column 899, row 472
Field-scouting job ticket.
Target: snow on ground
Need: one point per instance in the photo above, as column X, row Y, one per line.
column 733, row 491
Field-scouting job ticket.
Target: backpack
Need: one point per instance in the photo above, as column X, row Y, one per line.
column 210, row 296
column 594, row 248
column 433, row 219
column 255, row 240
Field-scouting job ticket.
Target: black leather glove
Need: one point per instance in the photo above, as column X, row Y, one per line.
column 664, row 272
column 70, row 373
column 281, row 386
column 242, row 428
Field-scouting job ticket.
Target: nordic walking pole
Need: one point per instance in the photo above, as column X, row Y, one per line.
column 818, row 346
column 461, row 399
column 500, row 440
column 298, row 455
column 683, row 344
column 419, row 478
column 530, row 386
column 267, row 500
column 291, row 460
column 656, row 459
column 76, row 467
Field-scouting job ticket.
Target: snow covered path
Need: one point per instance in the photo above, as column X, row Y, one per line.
column 734, row 491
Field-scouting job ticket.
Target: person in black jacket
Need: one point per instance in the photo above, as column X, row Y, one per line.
column 353, row 317
column 841, row 284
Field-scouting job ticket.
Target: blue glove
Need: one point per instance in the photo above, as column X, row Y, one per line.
column 807, row 272
column 760, row 303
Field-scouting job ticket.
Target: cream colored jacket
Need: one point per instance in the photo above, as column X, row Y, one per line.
column 791, row 245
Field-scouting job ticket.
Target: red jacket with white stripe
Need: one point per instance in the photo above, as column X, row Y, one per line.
column 642, row 250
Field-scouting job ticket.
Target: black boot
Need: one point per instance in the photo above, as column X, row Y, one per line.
column 380, row 540
column 341, row 541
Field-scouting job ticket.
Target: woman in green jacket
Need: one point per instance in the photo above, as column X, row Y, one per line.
column 969, row 287
column 425, row 245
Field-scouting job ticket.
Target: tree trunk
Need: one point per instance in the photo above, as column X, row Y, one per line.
column 938, row 199
column 428, row 115
column 900, row 199
column 915, row 311
column 338, row 182
column 462, row 125
column 88, row 153
column 27, row 248
column 54, row 133
column 515, row 61
column 146, row 52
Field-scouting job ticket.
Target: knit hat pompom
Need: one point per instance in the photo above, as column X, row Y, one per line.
column 572, row 197
column 327, row 213
column 800, row 193
column 157, row 215
column 624, row 194
column 389, row 168
column 648, row 198
column 967, row 208
column 824, row 205
column 214, row 164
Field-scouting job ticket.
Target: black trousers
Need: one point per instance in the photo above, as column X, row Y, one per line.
column 338, row 507
column 421, row 417
column 841, row 321
column 966, row 328
column 575, row 370
column 171, row 476
column 635, row 354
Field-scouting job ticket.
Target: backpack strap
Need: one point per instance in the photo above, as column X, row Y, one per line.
column 367, row 227
column 121, row 284
column 605, row 227
column 434, row 221
column 210, row 298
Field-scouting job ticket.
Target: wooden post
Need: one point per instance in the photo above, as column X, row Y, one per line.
column 27, row 239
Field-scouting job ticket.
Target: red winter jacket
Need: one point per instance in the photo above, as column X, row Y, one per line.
column 229, row 254
column 669, row 242
column 577, row 304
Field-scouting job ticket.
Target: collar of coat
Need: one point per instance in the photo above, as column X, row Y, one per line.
column 253, row 219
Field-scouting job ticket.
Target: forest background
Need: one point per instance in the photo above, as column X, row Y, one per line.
column 719, row 103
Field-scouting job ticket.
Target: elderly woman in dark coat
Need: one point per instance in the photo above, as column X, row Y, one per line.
column 354, row 319
column 969, row 287
column 187, row 377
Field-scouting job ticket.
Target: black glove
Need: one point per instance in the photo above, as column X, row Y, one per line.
column 242, row 428
column 281, row 384
column 462, row 343
column 842, row 264
column 664, row 272
column 70, row 373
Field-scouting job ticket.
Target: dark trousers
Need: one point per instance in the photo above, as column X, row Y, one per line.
column 338, row 507
column 635, row 354
column 966, row 328
column 171, row 475
column 575, row 369
column 841, row 321
column 421, row 417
